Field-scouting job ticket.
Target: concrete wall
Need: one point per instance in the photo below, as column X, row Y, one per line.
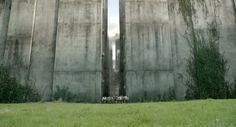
column 154, row 49
column 5, row 8
column 148, row 54
column 55, row 43
column 19, row 39
column 228, row 36
column 43, row 47
column 78, row 48
column 64, row 43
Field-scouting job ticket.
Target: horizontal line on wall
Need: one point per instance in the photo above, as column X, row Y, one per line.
column 161, row 70
column 70, row 71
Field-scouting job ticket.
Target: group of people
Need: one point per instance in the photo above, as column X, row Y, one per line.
column 116, row 99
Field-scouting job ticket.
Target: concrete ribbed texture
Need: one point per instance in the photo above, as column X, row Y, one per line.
column 50, row 43
column 54, row 43
column 154, row 47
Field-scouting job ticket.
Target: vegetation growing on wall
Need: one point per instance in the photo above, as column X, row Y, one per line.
column 2, row 1
column 206, row 67
column 63, row 94
column 186, row 9
column 168, row 95
column 234, row 89
column 206, row 70
column 13, row 92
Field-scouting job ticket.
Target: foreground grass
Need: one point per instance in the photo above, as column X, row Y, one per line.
column 208, row 113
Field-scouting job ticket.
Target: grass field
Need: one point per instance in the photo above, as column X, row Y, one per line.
column 207, row 113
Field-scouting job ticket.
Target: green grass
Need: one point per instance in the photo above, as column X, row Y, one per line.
column 207, row 113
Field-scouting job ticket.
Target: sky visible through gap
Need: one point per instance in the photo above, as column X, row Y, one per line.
column 113, row 18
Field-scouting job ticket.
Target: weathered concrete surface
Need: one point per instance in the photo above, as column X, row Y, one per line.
column 18, row 44
column 64, row 43
column 155, row 50
column 43, row 47
column 228, row 36
column 148, row 54
column 5, row 9
column 55, row 43
column 78, row 49
column 223, row 14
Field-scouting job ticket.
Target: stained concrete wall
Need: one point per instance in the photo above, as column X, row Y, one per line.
column 19, row 39
column 43, row 47
column 78, row 48
column 228, row 36
column 148, row 54
column 154, row 49
column 219, row 12
column 63, row 43
column 55, row 43
column 5, row 8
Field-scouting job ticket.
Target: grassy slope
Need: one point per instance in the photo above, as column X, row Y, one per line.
column 209, row 113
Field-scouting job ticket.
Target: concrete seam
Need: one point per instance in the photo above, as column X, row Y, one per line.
column 234, row 7
column 32, row 30
column 55, row 41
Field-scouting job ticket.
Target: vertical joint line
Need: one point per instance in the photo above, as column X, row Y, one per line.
column 31, row 40
column 234, row 7
column 55, row 41
column 32, row 30
column 101, row 54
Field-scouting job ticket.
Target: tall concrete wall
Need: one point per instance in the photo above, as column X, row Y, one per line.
column 155, row 50
column 55, row 43
column 228, row 35
column 63, row 43
column 145, row 33
column 43, row 47
column 78, row 48
column 19, row 39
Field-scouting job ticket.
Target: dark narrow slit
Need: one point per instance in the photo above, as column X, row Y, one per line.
column 105, row 47
column 113, row 53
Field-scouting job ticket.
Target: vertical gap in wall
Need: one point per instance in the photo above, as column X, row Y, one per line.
column 122, row 74
column 104, row 54
column 114, row 47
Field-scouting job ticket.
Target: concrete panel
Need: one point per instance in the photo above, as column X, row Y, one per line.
column 223, row 13
column 18, row 46
column 86, row 85
column 5, row 9
column 153, row 37
column 228, row 37
column 43, row 47
column 148, row 85
column 180, row 48
column 147, row 47
column 78, row 50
